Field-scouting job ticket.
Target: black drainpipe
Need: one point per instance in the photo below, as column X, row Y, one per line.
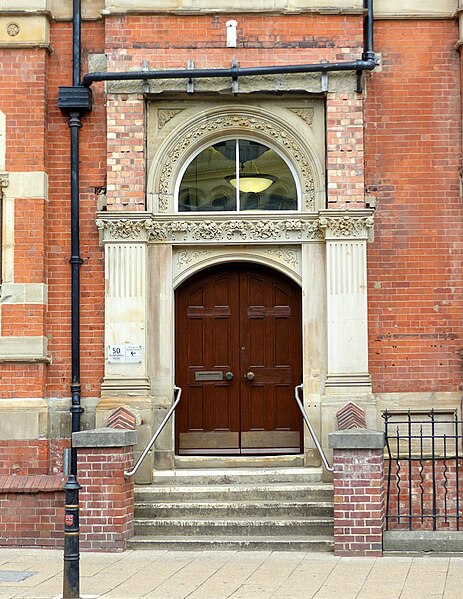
column 76, row 101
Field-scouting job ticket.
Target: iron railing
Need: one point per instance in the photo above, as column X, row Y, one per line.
column 178, row 396
column 325, row 461
column 424, row 469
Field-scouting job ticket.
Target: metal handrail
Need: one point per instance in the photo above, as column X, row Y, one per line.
column 178, row 393
column 311, row 429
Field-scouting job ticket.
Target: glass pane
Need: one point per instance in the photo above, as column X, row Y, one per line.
column 266, row 182
column 204, row 186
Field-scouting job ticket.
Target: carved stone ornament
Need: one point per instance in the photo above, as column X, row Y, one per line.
column 306, row 114
column 175, row 231
column 346, row 226
column 230, row 123
column 121, row 229
column 3, row 182
column 300, row 229
column 289, row 256
column 187, row 257
column 13, row 29
column 165, row 115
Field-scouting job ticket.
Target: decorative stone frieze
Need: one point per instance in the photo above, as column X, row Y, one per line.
column 180, row 231
column 257, row 229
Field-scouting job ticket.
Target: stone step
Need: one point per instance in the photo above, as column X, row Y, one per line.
column 235, row 493
column 306, row 543
column 268, row 508
column 237, row 476
column 213, row 462
column 221, row 510
column 233, row 527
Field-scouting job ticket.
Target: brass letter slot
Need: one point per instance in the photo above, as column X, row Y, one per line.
column 213, row 375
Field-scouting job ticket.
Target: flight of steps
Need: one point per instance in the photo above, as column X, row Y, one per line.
column 235, row 508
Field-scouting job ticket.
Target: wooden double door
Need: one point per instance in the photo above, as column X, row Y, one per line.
column 238, row 359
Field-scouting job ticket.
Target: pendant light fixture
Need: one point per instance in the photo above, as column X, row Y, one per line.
column 246, row 151
column 251, row 182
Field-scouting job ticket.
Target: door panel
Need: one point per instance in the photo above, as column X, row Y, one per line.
column 244, row 320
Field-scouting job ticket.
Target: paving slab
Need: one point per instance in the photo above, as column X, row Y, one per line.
column 232, row 575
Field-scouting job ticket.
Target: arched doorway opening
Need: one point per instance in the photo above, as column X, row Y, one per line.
column 238, row 359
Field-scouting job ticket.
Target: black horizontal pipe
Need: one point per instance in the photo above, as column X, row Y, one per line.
column 367, row 63
column 233, row 72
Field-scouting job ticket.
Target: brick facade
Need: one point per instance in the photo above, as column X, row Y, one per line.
column 397, row 145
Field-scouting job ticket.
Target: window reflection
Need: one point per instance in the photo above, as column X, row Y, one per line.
column 237, row 175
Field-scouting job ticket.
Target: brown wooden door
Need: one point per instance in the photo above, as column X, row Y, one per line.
column 238, row 359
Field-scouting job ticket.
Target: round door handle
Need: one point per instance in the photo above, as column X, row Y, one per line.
column 229, row 376
column 250, row 376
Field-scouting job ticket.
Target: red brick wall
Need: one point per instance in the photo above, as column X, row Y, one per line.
column 31, row 519
column 32, row 456
column 31, row 500
column 24, row 102
column 92, row 175
column 106, row 498
column 413, row 157
column 358, row 501
column 172, row 40
column 24, row 457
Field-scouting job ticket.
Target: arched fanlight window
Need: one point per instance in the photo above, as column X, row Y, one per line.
column 237, row 175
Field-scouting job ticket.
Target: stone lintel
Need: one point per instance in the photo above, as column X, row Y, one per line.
column 356, row 438
column 104, row 437
column 289, row 82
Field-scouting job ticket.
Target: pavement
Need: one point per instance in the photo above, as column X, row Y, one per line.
column 37, row 573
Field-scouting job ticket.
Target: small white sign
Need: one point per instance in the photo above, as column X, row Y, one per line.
column 133, row 354
column 116, row 354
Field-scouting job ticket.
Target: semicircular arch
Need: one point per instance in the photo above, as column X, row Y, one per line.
column 206, row 127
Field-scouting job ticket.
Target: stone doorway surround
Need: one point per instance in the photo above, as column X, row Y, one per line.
column 149, row 253
column 324, row 252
